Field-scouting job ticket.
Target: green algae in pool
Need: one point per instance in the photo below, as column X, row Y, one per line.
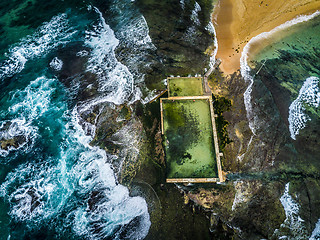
column 185, row 86
column 189, row 140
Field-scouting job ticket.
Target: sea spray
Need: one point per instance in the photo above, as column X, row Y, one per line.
column 246, row 70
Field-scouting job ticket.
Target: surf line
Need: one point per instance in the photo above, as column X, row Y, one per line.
column 245, row 69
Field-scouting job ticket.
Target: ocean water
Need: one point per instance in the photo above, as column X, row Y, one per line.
column 54, row 185
column 59, row 59
column 282, row 68
column 289, row 55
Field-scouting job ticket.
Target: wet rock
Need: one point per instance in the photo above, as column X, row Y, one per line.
column 14, row 142
column 262, row 213
column 214, row 221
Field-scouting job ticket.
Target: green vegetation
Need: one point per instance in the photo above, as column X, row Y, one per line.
column 189, row 140
column 179, row 87
column 221, row 105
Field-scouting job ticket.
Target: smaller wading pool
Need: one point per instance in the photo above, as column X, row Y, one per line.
column 185, row 86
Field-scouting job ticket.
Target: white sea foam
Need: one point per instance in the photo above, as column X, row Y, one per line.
column 115, row 80
column 309, row 95
column 40, row 192
column 34, row 99
column 18, row 128
column 133, row 34
column 151, row 96
column 246, row 70
column 210, row 27
column 48, row 186
column 56, row 64
column 28, row 105
column 191, row 34
column 316, row 232
column 195, row 14
column 293, row 221
column 116, row 208
column 131, row 142
column 82, row 53
column 136, row 32
column 47, row 37
column 182, row 4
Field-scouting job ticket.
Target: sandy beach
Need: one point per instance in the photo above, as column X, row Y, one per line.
column 237, row 21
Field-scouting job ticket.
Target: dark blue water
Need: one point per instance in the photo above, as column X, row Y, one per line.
column 54, row 185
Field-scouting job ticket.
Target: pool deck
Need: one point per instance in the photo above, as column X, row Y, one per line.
column 218, row 155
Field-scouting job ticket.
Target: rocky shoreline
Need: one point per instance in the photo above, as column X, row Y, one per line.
column 248, row 205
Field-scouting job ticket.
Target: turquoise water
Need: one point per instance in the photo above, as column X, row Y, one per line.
column 283, row 109
column 289, row 66
column 58, row 61
column 54, row 185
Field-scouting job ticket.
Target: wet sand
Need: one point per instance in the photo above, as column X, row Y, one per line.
column 237, row 21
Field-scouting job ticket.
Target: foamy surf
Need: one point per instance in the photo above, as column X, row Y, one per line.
column 210, row 27
column 49, row 36
column 64, row 184
column 117, row 83
column 309, row 95
column 246, row 70
column 56, row 64
column 82, row 184
column 115, row 80
column 293, row 222
column 316, row 232
column 28, row 105
column 195, row 13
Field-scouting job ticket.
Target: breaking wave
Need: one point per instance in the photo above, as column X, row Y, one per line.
column 211, row 29
column 64, row 183
column 117, row 82
column 81, row 184
column 293, row 221
column 49, row 36
column 309, row 95
column 19, row 129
